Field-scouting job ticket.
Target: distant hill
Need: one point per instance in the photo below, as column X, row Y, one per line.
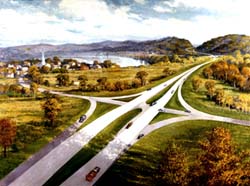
column 167, row 45
column 226, row 44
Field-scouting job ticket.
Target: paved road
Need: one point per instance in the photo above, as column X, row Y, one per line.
column 36, row 175
column 105, row 158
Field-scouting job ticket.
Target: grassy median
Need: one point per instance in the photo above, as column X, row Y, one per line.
column 92, row 148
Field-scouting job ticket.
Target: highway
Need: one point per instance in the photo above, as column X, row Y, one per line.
column 56, row 158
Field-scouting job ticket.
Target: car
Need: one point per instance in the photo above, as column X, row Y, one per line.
column 188, row 111
column 128, row 125
column 82, row 118
column 140, row 136
column 92, row 174
column 153, row 103
column 149, row 88
column 172, row 91
column 160, row 110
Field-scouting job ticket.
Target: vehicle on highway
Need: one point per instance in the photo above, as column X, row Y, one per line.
column 172, row 91
column 82, row 118
column 128, row 125
column 140, row 136
column 188, row 111
column 153, row 103
column 160, row 110
column 92, row 174
column 149, row 88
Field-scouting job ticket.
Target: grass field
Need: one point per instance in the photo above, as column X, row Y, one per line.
column 93, row 147
column 174, row 103
column 162, row 116
column 32, row 135
column 138, row 165
column 203, row 104
column 114, row 74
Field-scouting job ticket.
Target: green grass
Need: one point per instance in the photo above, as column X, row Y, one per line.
column 159, row 95
column 199, row 101
column 138, row 165
column 174, row 103
column 32, row 134
column 162, row 116
column 93, row 147
column 101, row 109
column 127, row 74
column 127, row 99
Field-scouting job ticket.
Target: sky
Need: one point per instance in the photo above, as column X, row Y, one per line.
column 85, row 21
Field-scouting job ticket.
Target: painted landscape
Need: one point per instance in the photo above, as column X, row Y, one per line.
column 135, row 93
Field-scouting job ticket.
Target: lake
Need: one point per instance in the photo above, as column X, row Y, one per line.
column 122, row 61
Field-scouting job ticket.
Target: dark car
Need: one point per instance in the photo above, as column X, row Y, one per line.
column 149, row 88
column 160, row 110
column 140, row 136
column 153, row 103
column 82, row 118
column 92, row 174
column 128, row 125
column 172, row 91
column 188, row 111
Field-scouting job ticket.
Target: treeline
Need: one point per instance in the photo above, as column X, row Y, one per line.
column 153, row 59
column 219, row 163
column 237, row 76
column 16, row 90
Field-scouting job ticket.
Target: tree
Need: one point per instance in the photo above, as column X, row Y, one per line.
column 196, row 83
column 173, row 168
column 219, row 96
column 35, row 75
column 33, row 88
column 7, row 134
column 209, row 85
column 168, row 72
column 107, row 63
column 83, row 82
column 219, row 164
column 208, row 72
column 45, row 69
column 63, row 79
column 102, row 82
column 141, row 75
column 51, row 109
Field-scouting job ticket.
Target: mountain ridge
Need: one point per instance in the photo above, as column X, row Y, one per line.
column 167, row 45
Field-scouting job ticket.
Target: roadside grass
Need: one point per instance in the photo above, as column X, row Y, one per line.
column 159, row 95
column 174, row 103
column 138, row 166
column 32, row 134
column 92, row 148
column 162, row 116
column 127, row 99
column 127, row 74
column 101, row 109
column 199, row 101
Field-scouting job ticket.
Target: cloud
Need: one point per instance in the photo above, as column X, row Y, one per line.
column 162, row 9
column 140, row 1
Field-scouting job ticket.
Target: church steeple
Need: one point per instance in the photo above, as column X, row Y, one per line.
column 43, row 60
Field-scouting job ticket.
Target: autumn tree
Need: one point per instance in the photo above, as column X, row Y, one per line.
column 196, row 83
column 219, row 164
column 7, row 134
column 219, row 96
column 168, row 72
column 33, row 88
column 210, row 86
column 141, row 75
column 173, row 167
column 35, row 75
column 102, row 82
column 51, row 109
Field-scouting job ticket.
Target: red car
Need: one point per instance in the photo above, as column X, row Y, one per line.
column 92, row 174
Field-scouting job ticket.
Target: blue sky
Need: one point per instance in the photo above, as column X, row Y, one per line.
column 84, row 21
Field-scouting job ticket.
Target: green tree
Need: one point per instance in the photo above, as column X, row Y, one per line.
column 141, row 75
column 51, row 109
column 173, row 169
column 63, row 79
column 7, row 134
